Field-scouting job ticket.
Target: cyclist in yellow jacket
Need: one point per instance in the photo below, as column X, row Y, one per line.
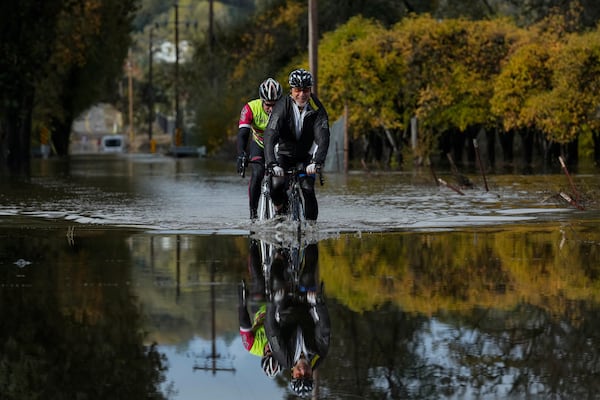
column 252, row 331
column 253, row 121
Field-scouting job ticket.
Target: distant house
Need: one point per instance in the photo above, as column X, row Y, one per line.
column 88, row 129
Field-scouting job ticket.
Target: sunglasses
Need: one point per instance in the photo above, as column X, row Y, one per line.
column 268, row 104
column 301, row 89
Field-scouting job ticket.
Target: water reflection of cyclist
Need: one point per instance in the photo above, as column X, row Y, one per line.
column 297, row 321
column 298, row 122
column 252, row 331
column 253, row 119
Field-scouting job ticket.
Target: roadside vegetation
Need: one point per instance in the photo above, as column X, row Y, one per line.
column 518, row 75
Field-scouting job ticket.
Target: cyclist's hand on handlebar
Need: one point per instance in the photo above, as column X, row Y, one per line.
column 312, row 168
column 242, row 294
column 311, row 298
column 242, row 163
column 279, row 295
column 276, row 170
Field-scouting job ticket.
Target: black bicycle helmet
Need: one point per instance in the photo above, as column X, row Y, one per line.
column 270, row 90
column 302, row 387
column 300, row 78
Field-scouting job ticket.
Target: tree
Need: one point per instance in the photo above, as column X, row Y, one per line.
column 58, row 57
column 572, row 105
column 263, row 46
column 367, row 76
column 28, row 30
column 86, row 63
column 440, row 66
column 547, row 87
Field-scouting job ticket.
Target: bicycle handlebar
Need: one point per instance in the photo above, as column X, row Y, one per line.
column 297, row 171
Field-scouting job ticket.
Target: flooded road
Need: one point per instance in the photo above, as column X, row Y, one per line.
column 200, row 196
column 119, row 278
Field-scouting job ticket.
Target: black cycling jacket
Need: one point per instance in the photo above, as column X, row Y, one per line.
column 315, row 326
column 280, row 130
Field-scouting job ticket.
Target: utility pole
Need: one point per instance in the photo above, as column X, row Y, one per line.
column 346, row 144
column 130, row 96
column 211, row 17
column 210, row 45
column 177, row 114
column 150, row 88
column 313, row 41
column 214, row 355
column 177, row 134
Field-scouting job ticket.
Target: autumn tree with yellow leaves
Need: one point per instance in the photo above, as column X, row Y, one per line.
column 459, row 77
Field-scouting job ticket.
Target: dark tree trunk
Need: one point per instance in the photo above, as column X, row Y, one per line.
column 596, row 140
column 553, row 150
column 527, row 137
column 445, row 145
column 16, row 145
column 471, row 134
column 506, row 141
column 571, row 155
column 490, row 135
column 458, row 144
column 61, row 131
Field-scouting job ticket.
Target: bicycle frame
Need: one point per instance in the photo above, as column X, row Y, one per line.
column 266, row 253
column 296, row 202
column 294, row 258
column 266, row 209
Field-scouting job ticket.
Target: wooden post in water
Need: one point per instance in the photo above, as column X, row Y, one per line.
column 457, row 190
column 564, row 167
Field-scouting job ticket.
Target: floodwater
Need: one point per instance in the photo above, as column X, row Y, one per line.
column 119, row 276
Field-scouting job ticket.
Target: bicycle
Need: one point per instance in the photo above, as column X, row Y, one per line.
column 266, row 209
column 295, row 259
column 296, row 204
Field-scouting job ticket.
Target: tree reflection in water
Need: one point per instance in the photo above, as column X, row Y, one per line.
column 69, row 326
column 503, row 312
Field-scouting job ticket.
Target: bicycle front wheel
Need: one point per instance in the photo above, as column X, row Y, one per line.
column 266, row 209
column 296, row 205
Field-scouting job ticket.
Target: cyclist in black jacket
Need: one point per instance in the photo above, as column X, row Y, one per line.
column 299, row 127
column 297, row 321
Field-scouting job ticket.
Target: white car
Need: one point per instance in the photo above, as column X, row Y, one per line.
column 112, row 144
